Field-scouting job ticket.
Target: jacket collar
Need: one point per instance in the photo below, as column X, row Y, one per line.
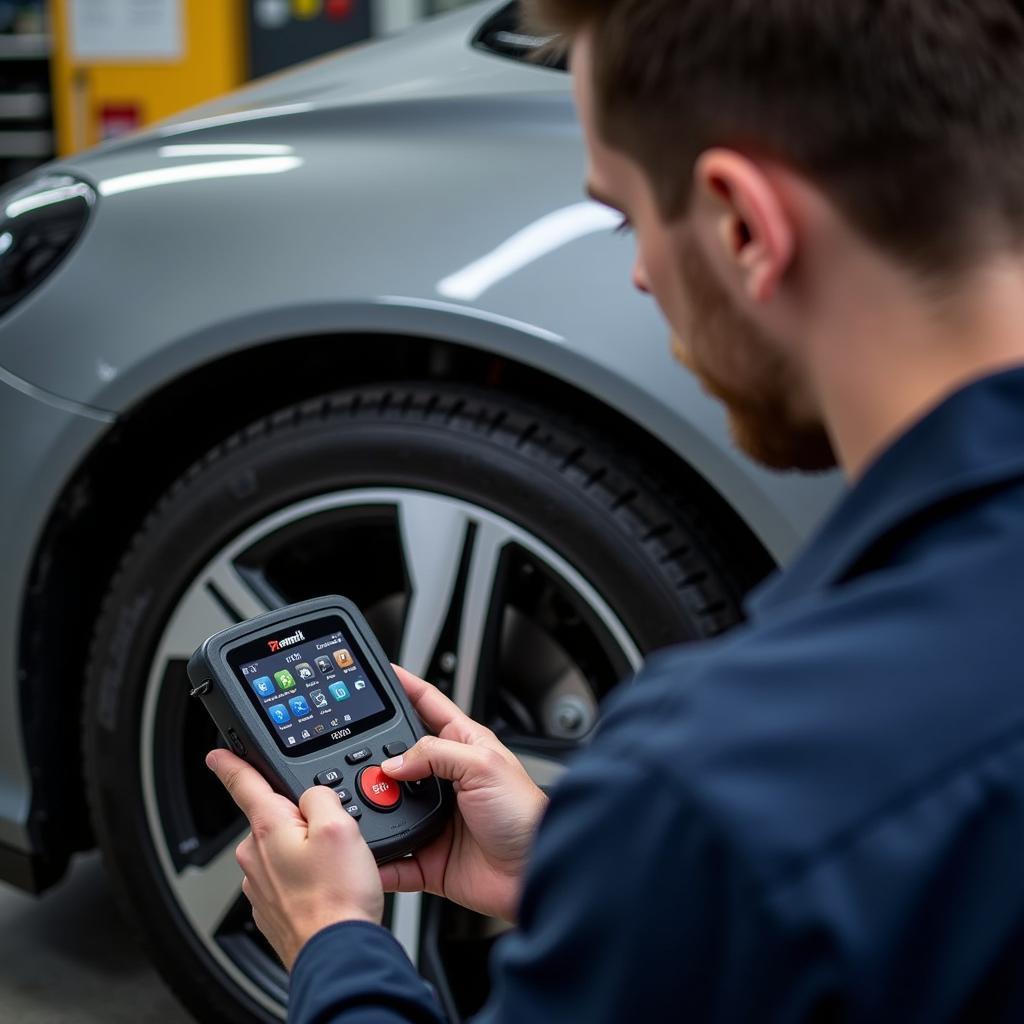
column 973, row 440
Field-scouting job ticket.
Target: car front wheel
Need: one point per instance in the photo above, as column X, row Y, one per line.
column 510, row 555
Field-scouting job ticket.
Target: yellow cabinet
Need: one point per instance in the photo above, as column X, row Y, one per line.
column 98, row 94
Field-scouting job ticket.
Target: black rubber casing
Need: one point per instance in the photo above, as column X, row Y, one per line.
column 423, row 809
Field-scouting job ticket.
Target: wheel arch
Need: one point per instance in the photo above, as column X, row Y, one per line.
column 99, row 510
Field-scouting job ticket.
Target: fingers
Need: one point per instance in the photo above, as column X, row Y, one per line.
column 322, row 809
column 404, row 875
column 257, row 801
column 447, row 759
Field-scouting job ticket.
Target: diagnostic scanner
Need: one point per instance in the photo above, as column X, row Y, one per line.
column 307, row 696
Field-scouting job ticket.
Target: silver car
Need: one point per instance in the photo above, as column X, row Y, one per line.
column 352, row 329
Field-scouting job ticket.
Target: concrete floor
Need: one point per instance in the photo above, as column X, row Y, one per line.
column 69, row 958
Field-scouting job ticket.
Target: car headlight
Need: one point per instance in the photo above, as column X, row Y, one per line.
column 39, row 225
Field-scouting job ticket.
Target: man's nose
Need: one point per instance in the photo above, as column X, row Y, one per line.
column 640, row 281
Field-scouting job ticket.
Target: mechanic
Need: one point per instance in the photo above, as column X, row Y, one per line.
column 821, row 815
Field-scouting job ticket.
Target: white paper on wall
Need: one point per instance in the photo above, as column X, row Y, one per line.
column 126, row 30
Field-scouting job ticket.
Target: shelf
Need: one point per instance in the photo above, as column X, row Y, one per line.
column 28, row 144
column 24, row 106
column 24, row 47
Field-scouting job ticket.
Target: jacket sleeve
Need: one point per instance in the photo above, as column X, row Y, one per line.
column 357, row 973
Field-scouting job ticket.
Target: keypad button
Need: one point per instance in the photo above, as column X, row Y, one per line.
column 358, row 756
column 354, row 810
column 377, row 789
column 344, row 796
column 330, row 777
column 394, row 749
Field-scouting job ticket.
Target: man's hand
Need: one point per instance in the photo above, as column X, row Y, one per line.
column 478, row 860
column 305, row 867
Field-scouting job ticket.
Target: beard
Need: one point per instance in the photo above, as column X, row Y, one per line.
column 739, row 364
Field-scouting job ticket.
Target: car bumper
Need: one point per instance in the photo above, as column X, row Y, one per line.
column 44, row 437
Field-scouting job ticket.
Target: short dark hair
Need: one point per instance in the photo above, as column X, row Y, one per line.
column 908, row 114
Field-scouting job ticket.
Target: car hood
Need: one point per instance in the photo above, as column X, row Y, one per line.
column 433, row 60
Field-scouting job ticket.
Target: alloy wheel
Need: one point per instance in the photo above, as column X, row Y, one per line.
column 457, row 594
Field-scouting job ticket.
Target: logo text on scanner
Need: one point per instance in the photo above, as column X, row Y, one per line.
column 286, row 641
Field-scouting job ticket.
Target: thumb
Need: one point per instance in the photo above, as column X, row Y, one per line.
column 447, row 759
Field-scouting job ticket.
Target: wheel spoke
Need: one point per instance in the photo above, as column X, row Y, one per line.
column 207, row 893
column 406, row 911
column 198, row 616
column 488, row 543
column 230, row 585
column 433, row 533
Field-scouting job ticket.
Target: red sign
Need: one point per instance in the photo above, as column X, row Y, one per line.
column 119, row 119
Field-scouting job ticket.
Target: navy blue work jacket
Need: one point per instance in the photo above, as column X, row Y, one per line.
column 819, row 817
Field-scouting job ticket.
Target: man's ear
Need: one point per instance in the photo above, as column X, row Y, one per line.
column 752, row 228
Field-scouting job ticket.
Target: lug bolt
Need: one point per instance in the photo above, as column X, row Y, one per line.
column 569, row 715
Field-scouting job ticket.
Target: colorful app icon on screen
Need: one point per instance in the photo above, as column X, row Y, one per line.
column 324, row 664
column 319, row 698
column 339, row 691
column 298, row 705
column 279, row 713
column 285, row 680
column 360, row 684
column 343, row 658
column 304, row 671
column 262, row 687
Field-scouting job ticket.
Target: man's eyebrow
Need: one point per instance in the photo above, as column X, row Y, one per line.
column 594, row 193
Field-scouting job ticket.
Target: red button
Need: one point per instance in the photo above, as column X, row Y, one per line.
column 377, row 789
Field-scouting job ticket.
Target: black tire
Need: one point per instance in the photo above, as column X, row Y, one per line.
column 656, row 553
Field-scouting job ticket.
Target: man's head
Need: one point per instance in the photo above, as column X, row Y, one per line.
column 747, row 140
